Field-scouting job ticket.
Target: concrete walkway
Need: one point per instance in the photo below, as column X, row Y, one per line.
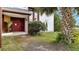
column 36, row 45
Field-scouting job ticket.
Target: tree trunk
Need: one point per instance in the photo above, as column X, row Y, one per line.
column 67, row 24
column 38, row 16
column 0, row 25
column 33, row 15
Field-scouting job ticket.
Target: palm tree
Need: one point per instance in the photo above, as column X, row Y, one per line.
column 32, row 9
column 66, row 22
column 0, row 25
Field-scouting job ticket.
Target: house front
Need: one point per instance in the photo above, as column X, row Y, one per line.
column 14, row 21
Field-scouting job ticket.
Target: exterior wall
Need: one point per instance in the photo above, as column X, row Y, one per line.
column 26, row 26
column 49, row 20
column 44, row 18
column 7, row 18
column 31, row 16
column 19, row 13
column 0, row 27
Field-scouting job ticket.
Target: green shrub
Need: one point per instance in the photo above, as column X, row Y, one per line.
column 75, row 46
column 57, row 20
column 60, row 38
column 76, row 36
column 36, row 26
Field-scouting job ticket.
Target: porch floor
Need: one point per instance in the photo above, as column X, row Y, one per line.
column 14, row 33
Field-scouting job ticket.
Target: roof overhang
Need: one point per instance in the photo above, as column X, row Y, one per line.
column 16, row 10
column 14, row 15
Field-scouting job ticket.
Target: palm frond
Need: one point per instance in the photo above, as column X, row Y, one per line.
column 46, row 10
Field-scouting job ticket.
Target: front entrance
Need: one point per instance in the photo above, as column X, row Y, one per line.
column 17, row 24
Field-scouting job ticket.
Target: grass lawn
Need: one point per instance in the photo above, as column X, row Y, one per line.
column 10, row 44
column 15, row 43
column 49, row 37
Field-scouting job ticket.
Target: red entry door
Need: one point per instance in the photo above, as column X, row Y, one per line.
column 17, row 24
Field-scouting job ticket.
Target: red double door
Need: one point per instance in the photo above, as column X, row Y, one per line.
column 17, row 24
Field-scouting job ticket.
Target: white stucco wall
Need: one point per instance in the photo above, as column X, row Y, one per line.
column 44, row 18
column 50, row 21
column 26, row 26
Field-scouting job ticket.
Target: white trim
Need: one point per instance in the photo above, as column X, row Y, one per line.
column 14, row 33
column 16, row 10
column 26, row 26
column 14, row 15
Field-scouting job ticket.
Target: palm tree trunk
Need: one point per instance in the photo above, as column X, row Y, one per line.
column 0, row 25
column 33, row 15
column 38, row 16
column 67, row 24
